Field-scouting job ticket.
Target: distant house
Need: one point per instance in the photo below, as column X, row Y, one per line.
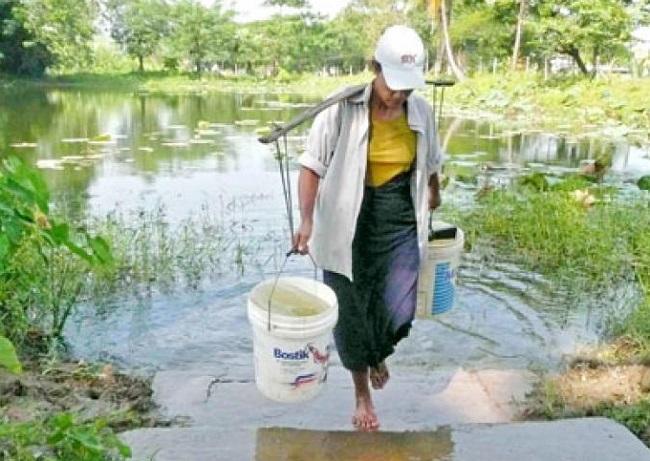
column 641, row 43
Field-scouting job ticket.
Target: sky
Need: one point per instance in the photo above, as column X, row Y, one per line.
column 251, row 10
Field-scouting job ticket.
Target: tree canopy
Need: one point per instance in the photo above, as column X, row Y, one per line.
column 459, row 34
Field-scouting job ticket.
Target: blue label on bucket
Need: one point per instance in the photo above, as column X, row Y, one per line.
column 444, row 289
column 302, row 354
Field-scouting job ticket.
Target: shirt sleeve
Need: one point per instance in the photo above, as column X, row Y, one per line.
column 434, row 153
column 321, row 142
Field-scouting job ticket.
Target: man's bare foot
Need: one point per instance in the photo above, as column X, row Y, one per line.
column 379, row 376
column 365, row 419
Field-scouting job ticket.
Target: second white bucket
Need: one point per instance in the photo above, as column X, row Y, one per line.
column 437, row 280
column 292, row 356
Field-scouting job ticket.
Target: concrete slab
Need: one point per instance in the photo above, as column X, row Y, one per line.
column 594, row 439
column 585, row 439
column 409, row 402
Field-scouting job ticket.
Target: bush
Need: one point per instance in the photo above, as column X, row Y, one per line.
column 36, row 253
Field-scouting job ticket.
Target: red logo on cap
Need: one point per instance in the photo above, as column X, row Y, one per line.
column 408, row 59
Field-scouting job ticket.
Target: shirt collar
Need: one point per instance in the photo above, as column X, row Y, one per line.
column 414, row 116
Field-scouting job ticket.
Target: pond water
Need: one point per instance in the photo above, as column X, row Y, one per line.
column 103, row 152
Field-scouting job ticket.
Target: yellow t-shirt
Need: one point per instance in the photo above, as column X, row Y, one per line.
column 391, row 150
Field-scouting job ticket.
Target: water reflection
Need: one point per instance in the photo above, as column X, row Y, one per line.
column 142, row 139
column 280, row 444
column 166, row 145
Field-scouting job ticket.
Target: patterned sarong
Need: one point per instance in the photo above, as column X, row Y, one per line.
column 376, row 309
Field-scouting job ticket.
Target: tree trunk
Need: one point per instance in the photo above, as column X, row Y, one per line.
column 445, row 34
column 141, row 63
column 520, row 25
column 575, row 54
column 441, row 61
column 594, row 62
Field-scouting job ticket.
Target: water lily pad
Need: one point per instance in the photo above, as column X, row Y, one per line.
column 175, row 144
column 74, row 140
column 467, row 156
column 23, row 145
column 208, row 132
column 201, row 141
column 145, row 149
column 49, row 164
column 101, row 138
column 102, row 143
column 246, row 122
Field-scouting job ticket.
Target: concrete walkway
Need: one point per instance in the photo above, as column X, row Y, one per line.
column 446, row 414
column 591, row 439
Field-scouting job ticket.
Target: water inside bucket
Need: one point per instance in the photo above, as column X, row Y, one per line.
column 289, row 300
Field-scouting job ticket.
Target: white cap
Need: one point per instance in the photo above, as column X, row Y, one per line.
column 401, row 54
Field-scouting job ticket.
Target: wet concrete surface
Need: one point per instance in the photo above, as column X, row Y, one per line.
column 282, row 444
column 410, row 401
column 450, row 414
column 587, row 439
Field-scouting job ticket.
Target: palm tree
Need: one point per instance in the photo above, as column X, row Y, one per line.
column 441, row 9
column 523, row 6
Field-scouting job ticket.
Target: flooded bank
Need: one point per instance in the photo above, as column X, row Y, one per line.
column 111, row 152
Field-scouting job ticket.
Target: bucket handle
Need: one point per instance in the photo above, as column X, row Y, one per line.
column 441, row 232
column 291, row 252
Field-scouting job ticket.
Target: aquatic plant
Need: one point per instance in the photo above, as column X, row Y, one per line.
column 32, row 295
column 153, row 254
column 550, row 230
column 614, row 102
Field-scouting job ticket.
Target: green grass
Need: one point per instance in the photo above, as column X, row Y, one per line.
column 187, row 83
column 582, row 248
column 544, row 228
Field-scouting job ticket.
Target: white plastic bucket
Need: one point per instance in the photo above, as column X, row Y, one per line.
column 292, row 358
column 437, row 280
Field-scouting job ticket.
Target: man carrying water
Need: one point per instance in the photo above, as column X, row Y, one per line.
column 369, row 177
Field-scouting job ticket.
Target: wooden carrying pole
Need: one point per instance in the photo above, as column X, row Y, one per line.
column 313, row 111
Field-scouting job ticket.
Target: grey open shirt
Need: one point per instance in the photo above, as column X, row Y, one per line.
column 337, row 151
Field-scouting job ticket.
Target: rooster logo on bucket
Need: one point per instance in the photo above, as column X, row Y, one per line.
column 319, row 357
